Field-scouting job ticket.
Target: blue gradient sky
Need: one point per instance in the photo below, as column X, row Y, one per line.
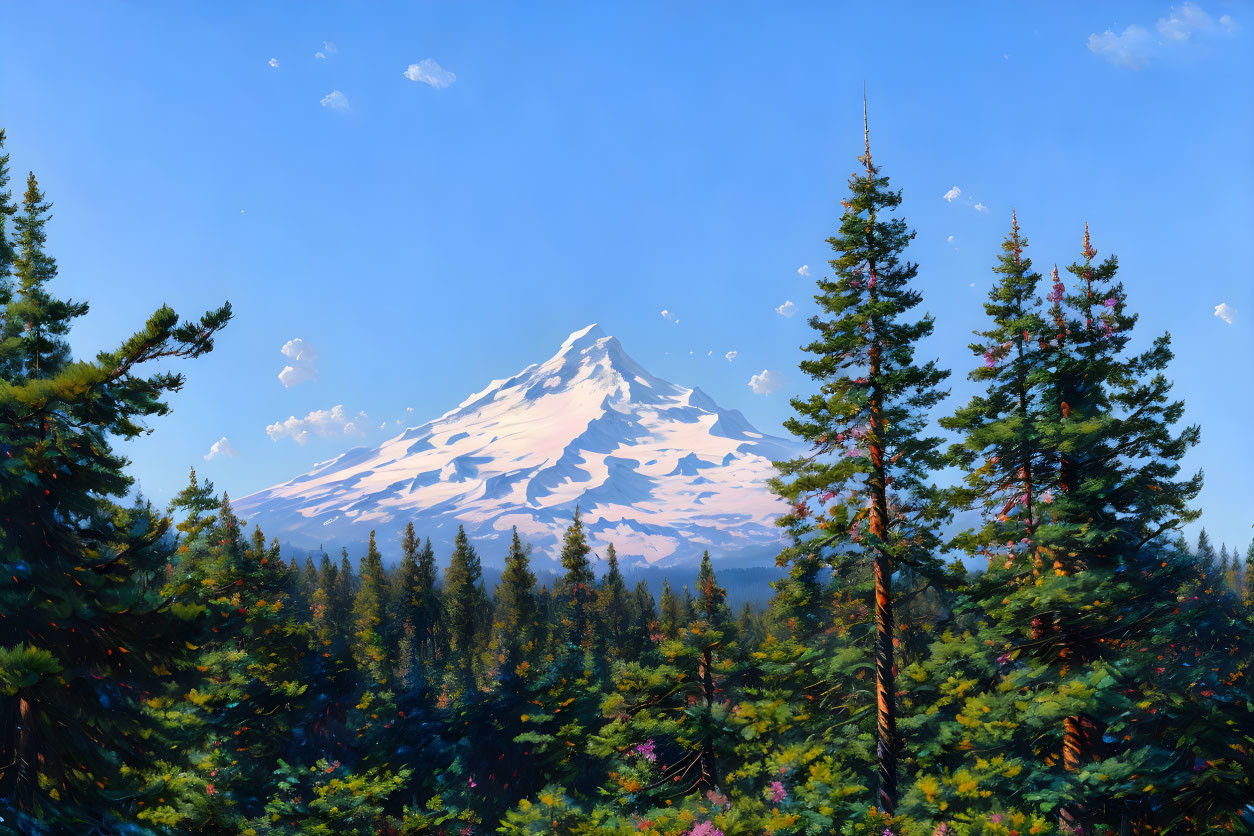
column 604, row 162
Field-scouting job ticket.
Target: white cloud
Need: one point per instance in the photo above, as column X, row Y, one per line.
column 710, row 353
column 950, row 239
column 303, row 362
column 1183, row 22
column 766, row 382
column 1136, row 46
column 429, row 72
column 409, row 409
column 1130, row 49
column 319, row 55
column 273, row 62
column 222, row 449
column 323, row 423
column 329, row 47
column 980, row 207
column 1225, row 312
column 786, row 309
column 669, row 315
column 952, row 193
column 384, row 425
column 335, row 100
column 731, row 355
column 803, row 270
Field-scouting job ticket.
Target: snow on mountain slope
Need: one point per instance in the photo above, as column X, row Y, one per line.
column 659, row 470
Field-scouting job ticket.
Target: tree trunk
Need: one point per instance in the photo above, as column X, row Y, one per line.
column 709, row 769
column 885, row 687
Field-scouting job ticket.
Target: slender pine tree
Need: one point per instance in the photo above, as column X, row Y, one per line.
column 576, row 588
column 867, row 476
column 464, row 606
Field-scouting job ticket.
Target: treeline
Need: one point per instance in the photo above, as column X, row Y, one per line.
column 173, row 672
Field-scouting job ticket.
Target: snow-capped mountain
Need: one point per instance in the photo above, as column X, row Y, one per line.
column 659, row 470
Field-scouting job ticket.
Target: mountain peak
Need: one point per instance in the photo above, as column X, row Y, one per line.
column 583, row 338
column 659, row 470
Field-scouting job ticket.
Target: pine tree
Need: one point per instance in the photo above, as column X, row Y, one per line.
column 643, row 611
column 711, row 637
column 672, row 617
column 576, row 589
column 614, row 605
column 369, row 649
column 83, row 628
column 1001, row 451
column 1206, row 556
column 464, row 605
column 36, row 322
column 870, row 413
column 1249, row 576
column 516, row 611
column 7, row 210
column 235, row 715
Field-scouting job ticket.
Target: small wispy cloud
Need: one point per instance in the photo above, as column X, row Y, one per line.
column 950, row 239
column 952, row 194
column 670, row 316
column 273, row 62
column 409, row 409
column 766, row 382
column 1136, row 47
column 429, row 72
column 786, row 309
column 319, row 54
column 222, row 449
column 731, row 355
column 803, row 270
column 1225, row 312
column 980, row 207
column 1129, row 49
column 302, row 362
column 1181, row 23
column 335, row 100
column 321, row 423
column 329, row 47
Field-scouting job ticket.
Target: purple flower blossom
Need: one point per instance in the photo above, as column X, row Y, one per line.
column 995, row 818
column 646, row 751
column 705, row 828
column 1110, row 303
column 778, row 793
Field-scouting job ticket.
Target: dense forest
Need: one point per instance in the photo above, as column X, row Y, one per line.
column 173, row 671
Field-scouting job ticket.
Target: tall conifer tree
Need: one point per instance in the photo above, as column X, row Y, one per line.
column 464, row 606
column 83, row 628
column 867, row 478
column 576, row 589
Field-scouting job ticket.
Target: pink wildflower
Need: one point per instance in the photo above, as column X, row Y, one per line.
column 1047, row 497
column 705, row 828
column 778, row 793
column 995, row 818
column 646, row 751
column 1111, row 302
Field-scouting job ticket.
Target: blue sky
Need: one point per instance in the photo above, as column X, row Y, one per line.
column 450, row 189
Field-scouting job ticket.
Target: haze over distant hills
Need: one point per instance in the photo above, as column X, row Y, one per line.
column 659, row 470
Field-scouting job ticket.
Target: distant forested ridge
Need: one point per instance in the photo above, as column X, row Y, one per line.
column 172, row 671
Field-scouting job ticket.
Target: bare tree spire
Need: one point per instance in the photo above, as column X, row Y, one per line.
column 866, row 135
